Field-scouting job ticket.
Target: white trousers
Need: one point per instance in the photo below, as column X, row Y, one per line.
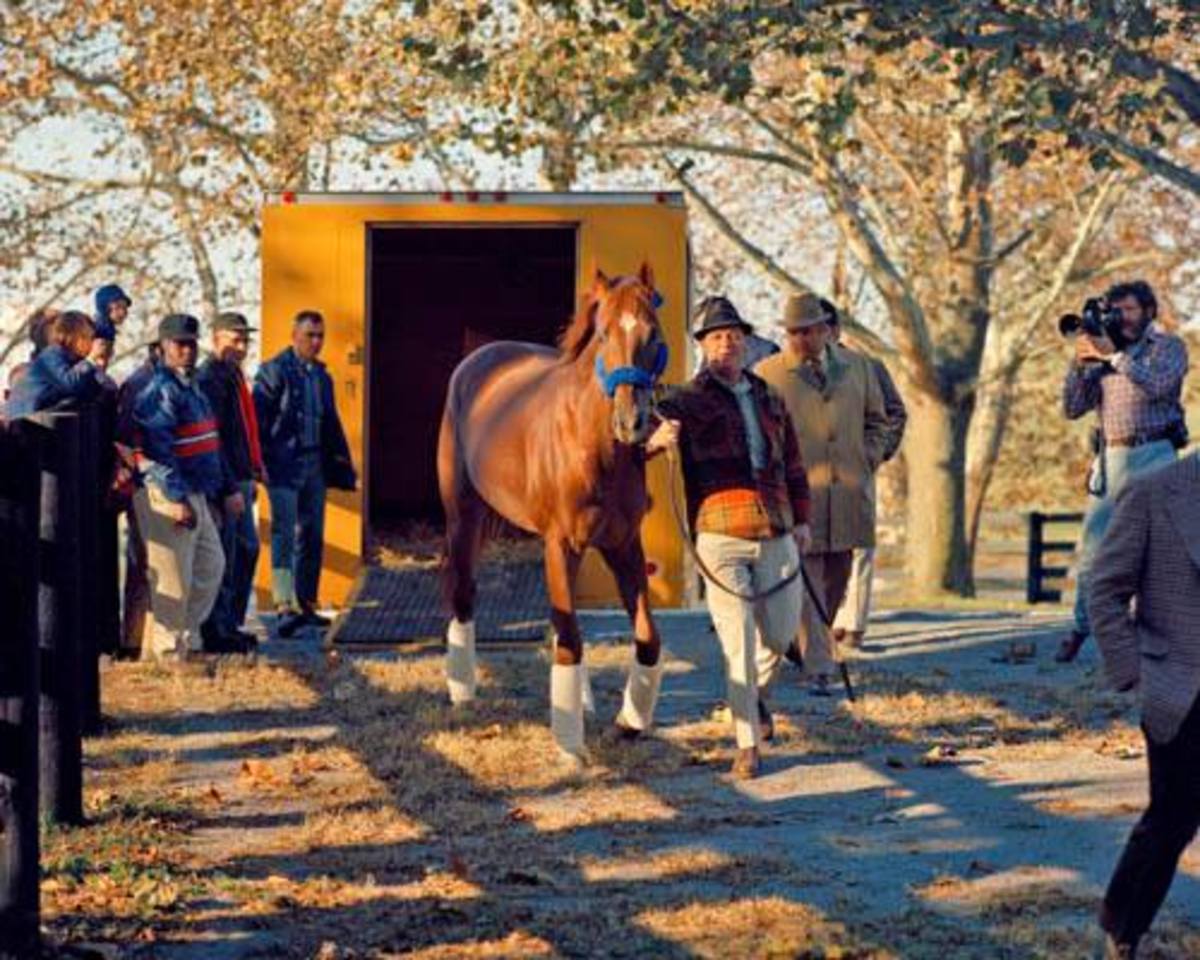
column 753, row 635
column 184, row 568
column 855, row 610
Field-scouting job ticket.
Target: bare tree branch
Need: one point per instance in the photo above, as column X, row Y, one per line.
column 862, row 336
column 906, row 176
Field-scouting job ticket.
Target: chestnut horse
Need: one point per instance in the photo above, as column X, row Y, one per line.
column 550, row 440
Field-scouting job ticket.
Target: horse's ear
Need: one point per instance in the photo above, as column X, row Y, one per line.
column 601, row 284
column 646, row 275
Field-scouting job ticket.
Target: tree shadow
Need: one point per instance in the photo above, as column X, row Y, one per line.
column 535, row 867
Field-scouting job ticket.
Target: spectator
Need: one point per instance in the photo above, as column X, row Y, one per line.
column 115, row 477
column 1133, row 378
column 112, row 307
column 65, row 372
column 305, row 451
column 1143, row 604
column 850, row 624
column 135, row 606
column 38, row 326
column 221, row 379
column 180, row 439
column 836, row 406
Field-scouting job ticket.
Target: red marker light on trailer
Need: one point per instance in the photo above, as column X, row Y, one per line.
column 472, row 196
column 447, row 197
column 651, row 568
column 500, row 196
column 288, row 197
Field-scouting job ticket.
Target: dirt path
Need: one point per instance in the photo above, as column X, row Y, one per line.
column 303, row 806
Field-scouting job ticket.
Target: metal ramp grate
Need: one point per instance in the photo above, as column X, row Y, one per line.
column 390, row 605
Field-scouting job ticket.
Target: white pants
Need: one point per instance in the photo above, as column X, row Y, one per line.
column 855, row 610
column 753, row 635
column 184, row 568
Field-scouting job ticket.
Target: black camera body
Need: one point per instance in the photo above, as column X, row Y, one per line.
column 1097, row 319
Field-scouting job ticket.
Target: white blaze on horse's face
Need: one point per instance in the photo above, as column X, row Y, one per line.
column 632, row 342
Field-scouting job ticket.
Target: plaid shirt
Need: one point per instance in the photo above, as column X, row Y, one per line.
column 725, row 493
column 1137, row 394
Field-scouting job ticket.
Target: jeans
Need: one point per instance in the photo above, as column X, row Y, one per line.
column 239, row 540
column 297, row 536
column 1120, row 464
column 135, row 608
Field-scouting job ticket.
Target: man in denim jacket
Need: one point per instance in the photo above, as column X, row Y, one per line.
column 305, row 452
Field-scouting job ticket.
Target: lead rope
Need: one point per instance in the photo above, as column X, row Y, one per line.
column 685, row 531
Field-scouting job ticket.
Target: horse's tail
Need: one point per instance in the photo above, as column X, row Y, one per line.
column 464, row 509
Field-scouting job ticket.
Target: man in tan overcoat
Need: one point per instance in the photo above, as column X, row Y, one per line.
column 837, row 408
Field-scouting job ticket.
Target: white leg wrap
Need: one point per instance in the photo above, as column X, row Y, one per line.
column 460, row 660
column 641, row 695
column 566, row 709
column 589, row 700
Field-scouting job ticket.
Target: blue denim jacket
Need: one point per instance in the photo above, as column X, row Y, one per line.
column 279, row 403
column 55, row 375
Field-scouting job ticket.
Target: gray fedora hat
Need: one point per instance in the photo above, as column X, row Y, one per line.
column 803, row 310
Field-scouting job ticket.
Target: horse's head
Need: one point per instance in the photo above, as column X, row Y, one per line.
column 631, row 353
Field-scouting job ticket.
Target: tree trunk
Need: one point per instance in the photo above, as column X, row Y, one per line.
column 936, row 443
column 983, row 450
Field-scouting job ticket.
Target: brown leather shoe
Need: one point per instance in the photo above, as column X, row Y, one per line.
column 1068, row 650
column 745, row 764
column 838, row 634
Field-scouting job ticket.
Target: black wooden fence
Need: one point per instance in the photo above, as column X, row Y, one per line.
column 57, row 568
column 1061, row 547
column 20, row 494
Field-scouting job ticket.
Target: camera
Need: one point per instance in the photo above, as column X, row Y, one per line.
column 1097, row 319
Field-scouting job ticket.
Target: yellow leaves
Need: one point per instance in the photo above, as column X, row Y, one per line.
column 291, row 773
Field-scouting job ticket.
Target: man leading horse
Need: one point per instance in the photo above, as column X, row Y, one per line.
column 748, row 502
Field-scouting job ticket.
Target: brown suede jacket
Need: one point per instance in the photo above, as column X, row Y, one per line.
column 716, row 453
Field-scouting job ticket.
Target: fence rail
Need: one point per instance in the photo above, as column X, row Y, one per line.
column 1036, row 590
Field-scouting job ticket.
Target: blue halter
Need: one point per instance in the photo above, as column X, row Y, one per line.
column 633, row 376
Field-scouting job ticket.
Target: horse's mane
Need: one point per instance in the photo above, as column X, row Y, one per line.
column 578, row 334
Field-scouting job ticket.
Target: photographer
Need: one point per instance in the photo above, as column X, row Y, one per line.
column 1130, row 372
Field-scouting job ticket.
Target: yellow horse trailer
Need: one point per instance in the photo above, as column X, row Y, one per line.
column 411, row 283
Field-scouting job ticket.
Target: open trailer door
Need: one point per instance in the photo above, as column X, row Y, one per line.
column 409, row 284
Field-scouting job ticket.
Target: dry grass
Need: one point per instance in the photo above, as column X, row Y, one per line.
column 760, row 927
column 136, row 690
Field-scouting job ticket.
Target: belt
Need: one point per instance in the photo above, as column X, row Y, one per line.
column 1138, row 439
